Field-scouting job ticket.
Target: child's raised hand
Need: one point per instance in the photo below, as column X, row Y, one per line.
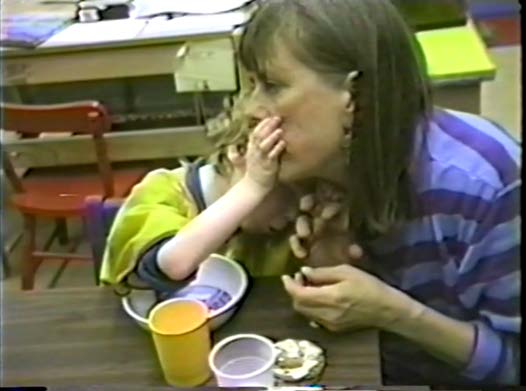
column 265, row 146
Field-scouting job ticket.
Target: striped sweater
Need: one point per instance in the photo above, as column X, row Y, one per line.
column 460, row 254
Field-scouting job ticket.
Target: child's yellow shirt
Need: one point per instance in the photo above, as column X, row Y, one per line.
column 157, row 208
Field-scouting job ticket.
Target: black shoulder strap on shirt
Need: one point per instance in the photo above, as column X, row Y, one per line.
column 193, row 184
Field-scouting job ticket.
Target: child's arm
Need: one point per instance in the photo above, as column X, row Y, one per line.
column 181, row 255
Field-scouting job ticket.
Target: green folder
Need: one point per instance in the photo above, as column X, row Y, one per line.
column 456, row 54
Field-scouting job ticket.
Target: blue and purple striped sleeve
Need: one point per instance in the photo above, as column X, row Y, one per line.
column 489, row 271
column 491, row 267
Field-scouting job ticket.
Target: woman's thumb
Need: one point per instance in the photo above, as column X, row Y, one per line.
column 324, row 275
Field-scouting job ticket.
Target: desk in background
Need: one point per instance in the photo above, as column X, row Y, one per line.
column 458, row 63
column 160, row 86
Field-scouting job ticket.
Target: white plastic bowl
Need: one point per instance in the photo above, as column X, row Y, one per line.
column 217, row 271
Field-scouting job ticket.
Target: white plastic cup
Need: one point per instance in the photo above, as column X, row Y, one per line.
column 243, row 360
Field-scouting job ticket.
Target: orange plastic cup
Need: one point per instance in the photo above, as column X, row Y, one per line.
column 181, row 337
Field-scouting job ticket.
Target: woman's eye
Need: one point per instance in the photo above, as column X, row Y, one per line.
column 271, row 87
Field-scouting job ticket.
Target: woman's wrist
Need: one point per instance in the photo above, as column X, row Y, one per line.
column 400, row 312
column 444, row 337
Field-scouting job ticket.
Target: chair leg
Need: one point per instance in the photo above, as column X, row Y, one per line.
column 62, row 231
column 6, row 267
column 58, row 274
column 96, row 260
column 30, row 263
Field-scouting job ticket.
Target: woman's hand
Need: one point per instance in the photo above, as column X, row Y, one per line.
column 265, row 146
column 345, row 298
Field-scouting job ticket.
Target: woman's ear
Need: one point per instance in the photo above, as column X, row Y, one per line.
column 348, row 110
column 348, row 91
column 348, row 102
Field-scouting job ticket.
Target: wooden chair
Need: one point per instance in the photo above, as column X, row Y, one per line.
column 60, row 194
column 6, row 267
column 99, row 217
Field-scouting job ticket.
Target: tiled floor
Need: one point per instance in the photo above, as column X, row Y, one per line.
column 501, row 101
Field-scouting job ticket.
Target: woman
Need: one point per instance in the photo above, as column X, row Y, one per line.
column 432, row 195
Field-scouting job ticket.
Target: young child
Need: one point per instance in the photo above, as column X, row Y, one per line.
column 174, row 219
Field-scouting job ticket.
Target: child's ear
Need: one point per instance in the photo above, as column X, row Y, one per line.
column 235, row 156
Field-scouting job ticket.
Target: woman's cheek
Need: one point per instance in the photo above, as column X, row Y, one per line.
column 295, row 142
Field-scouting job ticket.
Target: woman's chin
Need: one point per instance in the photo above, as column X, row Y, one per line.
column 290, row 173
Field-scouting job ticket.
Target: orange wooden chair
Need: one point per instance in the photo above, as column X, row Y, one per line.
column 59, row 194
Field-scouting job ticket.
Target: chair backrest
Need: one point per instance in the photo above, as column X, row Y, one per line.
column 84, row 117
column 99, row 216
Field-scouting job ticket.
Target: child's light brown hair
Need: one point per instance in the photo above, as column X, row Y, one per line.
column 230, row 127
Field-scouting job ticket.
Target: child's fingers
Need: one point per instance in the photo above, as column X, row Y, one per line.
column 277, row 150
column 264, row 129
column 261, row 131
column 307, row 202
column 330, row 210
column 297, row 248
column 317, row 225
column 303, row 229
column 270, row 141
